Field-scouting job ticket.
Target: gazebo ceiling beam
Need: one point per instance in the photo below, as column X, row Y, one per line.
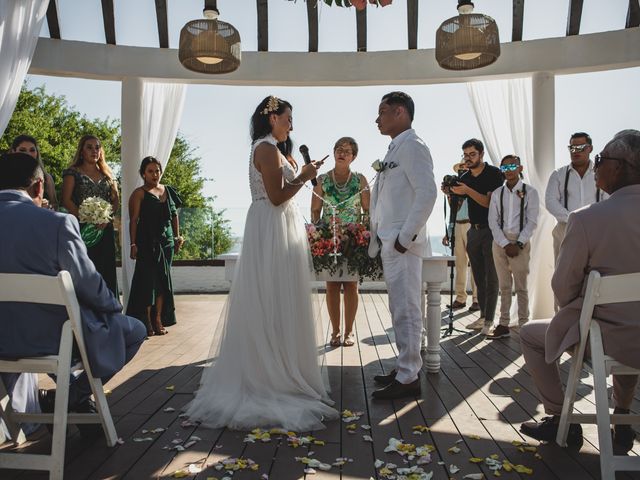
column 518, row 20
column 52, row 19
column 574, row 18
column 361, row 29
column 163, row 27
column 263, row 25
column 312, row 20
column 412, row 24
column 633, row 14
column 108, row 17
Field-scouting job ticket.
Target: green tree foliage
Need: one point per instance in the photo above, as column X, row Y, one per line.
column 58, row 127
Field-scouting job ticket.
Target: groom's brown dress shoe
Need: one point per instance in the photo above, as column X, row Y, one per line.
column 398, row 390
column 385, row 379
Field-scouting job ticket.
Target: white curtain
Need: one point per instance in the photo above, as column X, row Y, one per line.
column 161, row 112
column 503, row 109
column 20, row 24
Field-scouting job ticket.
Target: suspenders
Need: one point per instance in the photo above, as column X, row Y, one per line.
column 566, row 190
column 524, row 192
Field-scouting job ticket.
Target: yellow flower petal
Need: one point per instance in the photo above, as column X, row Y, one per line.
column 171, row 388
column 180, row 474
column 523, row 469
column 476, row 460
column 474, row 437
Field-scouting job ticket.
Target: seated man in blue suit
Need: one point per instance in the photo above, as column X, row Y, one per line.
column 40, row 241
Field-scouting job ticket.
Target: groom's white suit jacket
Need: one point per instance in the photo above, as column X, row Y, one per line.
column 403, row 196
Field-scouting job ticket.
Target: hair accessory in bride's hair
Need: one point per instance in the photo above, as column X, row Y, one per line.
column 272, row 105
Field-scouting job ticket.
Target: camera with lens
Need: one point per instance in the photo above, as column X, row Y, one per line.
column 450, row 181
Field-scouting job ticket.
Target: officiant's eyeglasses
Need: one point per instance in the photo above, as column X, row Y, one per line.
column 578, row 148
column 343, row 151
column 600, row 158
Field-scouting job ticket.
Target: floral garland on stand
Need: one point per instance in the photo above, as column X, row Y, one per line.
column 359, row 4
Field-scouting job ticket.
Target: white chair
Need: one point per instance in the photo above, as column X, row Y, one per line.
column 54, row 291
column 599, row 291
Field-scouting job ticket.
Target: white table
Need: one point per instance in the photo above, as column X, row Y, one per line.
column 434, row 274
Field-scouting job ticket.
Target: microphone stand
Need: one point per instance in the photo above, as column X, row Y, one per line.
column 455, row 205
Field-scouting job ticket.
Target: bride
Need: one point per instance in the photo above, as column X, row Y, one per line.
column 265, row 370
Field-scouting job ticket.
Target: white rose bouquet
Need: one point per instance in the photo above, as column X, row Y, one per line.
column 93, row 211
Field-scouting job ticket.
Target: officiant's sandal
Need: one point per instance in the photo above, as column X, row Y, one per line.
column 349, row 340
column 335, row 340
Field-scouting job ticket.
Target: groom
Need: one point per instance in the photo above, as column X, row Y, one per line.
column 401, row 202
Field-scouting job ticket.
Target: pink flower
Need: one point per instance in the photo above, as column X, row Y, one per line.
column 360, row 4
column 384, row 3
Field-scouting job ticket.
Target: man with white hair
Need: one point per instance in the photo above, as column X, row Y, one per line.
column 601, row 237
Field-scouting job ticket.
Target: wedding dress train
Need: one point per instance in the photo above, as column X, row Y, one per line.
column 265, row 360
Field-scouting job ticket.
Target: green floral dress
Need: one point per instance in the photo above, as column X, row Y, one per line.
column 103, row 253
column 344, row 197
column 152, row 275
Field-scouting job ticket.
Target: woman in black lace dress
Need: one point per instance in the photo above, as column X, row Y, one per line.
column 90, row 176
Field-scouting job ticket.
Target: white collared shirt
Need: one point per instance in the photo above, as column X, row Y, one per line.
column 581, row 191
column 511, row 200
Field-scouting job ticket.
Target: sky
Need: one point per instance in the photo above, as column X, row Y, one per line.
column 216, row 118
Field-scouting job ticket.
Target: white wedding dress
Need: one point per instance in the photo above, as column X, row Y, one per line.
column 265, row 369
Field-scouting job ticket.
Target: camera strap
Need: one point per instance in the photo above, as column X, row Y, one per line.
column 524, row 194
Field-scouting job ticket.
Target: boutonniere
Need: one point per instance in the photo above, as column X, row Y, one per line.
column 520, row 193
column 380, row 167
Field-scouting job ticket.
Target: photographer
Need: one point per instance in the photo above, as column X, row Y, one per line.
column 457, row 235
column 476, row 186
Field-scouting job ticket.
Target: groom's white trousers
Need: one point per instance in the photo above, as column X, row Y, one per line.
column 403, row 276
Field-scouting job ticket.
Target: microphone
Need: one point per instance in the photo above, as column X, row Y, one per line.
column 304, row 151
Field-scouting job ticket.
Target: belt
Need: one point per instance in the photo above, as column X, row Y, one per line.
column 479, row 226
column 463, row 221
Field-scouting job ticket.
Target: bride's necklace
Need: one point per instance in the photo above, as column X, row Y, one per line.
column 341, row 188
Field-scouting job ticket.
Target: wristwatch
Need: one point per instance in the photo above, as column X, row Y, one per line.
column 520, row 244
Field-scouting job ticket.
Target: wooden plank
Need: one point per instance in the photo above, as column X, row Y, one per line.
column 108, row 18
column 518, row 20
column 52, row 19
column 361, row 29
column 633, row 14
column 412, row 24
column 163, row 27
column 574, row 17
column 312, row 20
column 263, row 25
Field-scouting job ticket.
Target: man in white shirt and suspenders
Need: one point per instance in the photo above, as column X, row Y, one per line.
column 572, row 187
column 513, row 216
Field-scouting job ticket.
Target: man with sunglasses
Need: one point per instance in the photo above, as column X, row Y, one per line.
column 513, row 216
column 477, row 186
column 602, row 237
column 571, row 187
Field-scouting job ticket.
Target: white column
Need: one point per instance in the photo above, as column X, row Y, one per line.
column 543, row 106
column 131, row 151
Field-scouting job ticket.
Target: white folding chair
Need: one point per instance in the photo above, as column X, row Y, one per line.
column 53, row 291
column 599, row 291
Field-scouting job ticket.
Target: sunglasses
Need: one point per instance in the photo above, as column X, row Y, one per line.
column 509, row 167
column 578, row 148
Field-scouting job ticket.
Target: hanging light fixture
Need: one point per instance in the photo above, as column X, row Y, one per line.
column 468, row 41
column 209, row 45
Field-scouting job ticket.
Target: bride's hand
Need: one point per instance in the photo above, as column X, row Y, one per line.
column 310, row 170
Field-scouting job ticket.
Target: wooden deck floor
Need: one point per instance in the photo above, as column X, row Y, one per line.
column 475, row 403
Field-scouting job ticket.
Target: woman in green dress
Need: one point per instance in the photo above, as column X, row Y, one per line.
column 90, row 176
column 349, row 192
column 155, row 237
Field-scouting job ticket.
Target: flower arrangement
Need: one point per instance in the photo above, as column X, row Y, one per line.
column 93, row 211
column 380, row 167
column 336, row 246
column 359, row 4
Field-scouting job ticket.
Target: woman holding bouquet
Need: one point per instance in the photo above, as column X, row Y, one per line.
column 90, row 176
column 155, row 237
column 266, row 371
column 341, row 196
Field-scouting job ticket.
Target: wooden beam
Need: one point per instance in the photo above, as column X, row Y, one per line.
column 518, row 20
column 412, row 24
column 361, row 29
column 633, row 14
column 263, row 25
column 52, row 19
column 574, row 18
column 108, row 19
column 312, row 19
column 163, row 28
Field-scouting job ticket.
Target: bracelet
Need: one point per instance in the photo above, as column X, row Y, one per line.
column 133, row 245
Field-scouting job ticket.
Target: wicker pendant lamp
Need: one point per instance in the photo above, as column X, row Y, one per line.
column 209, row 45
column 468, row 41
